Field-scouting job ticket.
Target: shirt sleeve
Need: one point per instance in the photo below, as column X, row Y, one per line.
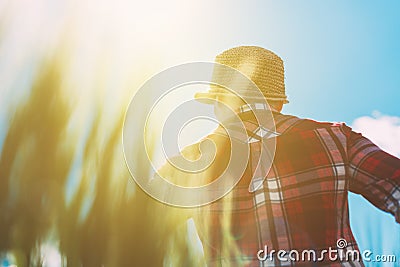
column 373, row 173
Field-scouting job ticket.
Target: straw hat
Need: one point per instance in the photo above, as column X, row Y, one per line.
column 263, row 67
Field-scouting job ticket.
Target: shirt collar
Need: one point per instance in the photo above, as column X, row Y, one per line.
column 256, row 106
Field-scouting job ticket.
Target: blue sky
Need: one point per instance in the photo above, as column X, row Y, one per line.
column 348, row 61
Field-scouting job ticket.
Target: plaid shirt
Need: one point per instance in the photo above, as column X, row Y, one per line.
column 302, row 204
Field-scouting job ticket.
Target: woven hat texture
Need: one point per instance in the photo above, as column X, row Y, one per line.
column 263, row 67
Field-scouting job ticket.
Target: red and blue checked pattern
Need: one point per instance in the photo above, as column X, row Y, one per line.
column 303, row 202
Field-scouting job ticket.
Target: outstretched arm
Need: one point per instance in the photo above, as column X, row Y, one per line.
column 374, row 173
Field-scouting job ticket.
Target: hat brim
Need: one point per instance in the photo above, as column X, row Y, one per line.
column 212, row 98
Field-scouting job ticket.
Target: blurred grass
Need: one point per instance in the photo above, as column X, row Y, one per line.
column 109, row 221
column 34, row 165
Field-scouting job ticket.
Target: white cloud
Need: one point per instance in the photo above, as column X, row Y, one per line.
column 381, row 129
